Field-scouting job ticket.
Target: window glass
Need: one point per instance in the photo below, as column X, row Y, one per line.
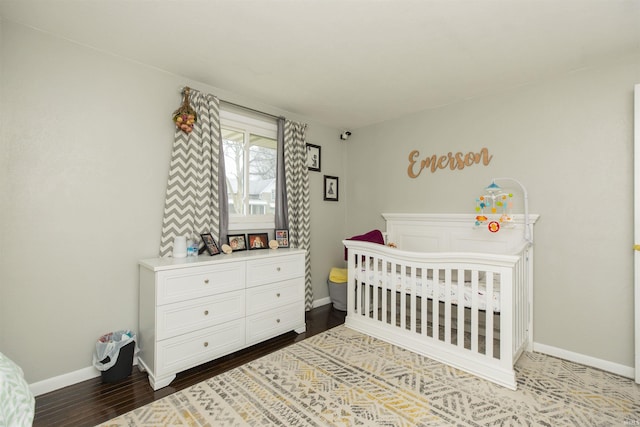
column 250, row 151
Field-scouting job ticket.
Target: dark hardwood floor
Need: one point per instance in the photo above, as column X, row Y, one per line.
column 90, row 402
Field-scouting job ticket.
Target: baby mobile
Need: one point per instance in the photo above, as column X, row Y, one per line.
column 184, row 117
column 494, row 208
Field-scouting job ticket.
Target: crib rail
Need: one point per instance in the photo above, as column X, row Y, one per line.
column 469, row 310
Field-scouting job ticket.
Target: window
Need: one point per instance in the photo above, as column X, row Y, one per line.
column 250, row 154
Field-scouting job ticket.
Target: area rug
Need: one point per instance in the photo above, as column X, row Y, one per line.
column 345, row 378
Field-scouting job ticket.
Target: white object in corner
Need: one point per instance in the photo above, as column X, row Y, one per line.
column 179, row 247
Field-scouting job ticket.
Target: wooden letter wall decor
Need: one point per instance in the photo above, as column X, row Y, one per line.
column 451, row 161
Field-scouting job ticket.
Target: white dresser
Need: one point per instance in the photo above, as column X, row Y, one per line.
column 193, row 310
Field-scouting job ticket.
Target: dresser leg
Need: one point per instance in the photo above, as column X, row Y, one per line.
column 157, row 384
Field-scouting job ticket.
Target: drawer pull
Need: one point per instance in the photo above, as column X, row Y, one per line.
column 206, row 281
column 277, row 320
column 206, row 312
column 206, row 344
column 278, row 269
column 278, row 294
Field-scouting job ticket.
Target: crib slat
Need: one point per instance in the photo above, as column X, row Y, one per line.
column 373, row 285
column 474, row 311
column 435, row 307
column 461, row 305
column 424, row 272
column 366, row 294
column 402, row 296
column 447, row 305
column 489, row 314
column 360, row 283
column 412, row 318
column 385, row 307
column 392, row 286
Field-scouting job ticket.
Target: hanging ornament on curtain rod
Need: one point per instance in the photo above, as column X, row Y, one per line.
column 184, row 117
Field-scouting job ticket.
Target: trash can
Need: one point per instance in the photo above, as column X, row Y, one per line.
column 114, row 355
column 338, row 288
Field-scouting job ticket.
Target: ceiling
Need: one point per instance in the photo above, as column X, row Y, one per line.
column 349, row 63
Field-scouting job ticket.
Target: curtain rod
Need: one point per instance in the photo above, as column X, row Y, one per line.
column 250, row 109
column 187, row 89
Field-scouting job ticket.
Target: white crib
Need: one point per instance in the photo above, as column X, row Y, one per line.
column 449, row 291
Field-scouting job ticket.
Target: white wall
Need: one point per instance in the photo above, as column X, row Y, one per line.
column 86, row 141
column 569, row 140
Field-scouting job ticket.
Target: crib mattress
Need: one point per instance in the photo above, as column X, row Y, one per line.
column 426, row 288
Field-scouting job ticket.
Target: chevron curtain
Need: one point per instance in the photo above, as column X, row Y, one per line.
column 297, row 196
column 196, row 196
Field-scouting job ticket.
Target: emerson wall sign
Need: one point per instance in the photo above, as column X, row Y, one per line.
column 451, row 161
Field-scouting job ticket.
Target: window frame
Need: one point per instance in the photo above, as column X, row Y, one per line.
column 249, row 125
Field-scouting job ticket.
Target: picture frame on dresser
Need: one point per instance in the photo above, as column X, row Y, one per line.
column 238, row 242
column 282, row 237
column 258, row 241
column 210, row 244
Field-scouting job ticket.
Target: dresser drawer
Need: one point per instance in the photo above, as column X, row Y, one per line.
column 274, row 295
column 189, row 350
column 272, row 323
column 188, row 316
column 264, row 271
column 188, row 283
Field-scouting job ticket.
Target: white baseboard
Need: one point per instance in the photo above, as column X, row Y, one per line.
column 321, row 302
column 65, row 380
column 615, row 368
column 55, row 383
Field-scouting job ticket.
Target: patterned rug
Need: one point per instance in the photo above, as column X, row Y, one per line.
column 345, row 378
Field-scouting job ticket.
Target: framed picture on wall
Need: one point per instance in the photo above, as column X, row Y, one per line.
column 258, row 241
column 313, row 157
column 331, row 188
column 282, row 237
column 238, row 242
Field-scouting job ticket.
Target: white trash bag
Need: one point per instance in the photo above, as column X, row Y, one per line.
column 109, row 345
